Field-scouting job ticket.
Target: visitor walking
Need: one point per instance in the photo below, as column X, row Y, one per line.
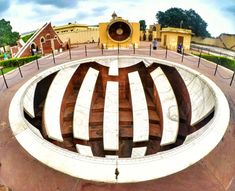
column 179, row 48
column 5, row 56
column 155, row 44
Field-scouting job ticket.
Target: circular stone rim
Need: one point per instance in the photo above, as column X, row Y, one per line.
column 130, row 170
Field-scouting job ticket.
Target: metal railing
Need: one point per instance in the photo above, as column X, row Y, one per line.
column 86, row 50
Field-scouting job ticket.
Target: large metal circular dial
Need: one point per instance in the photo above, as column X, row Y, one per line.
column 119, row 31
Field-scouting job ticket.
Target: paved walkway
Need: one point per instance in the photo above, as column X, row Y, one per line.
column 21, row 172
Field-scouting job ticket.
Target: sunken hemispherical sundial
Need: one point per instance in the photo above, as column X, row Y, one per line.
column 119, row 119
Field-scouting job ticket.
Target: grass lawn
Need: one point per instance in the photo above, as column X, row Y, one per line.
column 221, row 60
column 8, row 69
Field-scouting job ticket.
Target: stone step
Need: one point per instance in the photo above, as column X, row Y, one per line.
column 67, row 128
column 125, row 118
column 96, row 131
column 67, row 144
column 124, row 105
column 71, row 100
column 96, row 118
column 155, row 130
column 68, row 113
column 98, row 105
column 153, row 116
column 125, row 131
column 151, row 105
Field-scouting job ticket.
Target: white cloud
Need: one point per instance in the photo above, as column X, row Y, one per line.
column 27, row 15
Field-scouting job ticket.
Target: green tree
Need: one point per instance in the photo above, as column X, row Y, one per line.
column 7, row 37
column 142, row 25
column 189, row 19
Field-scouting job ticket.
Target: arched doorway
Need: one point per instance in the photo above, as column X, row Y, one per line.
column 33, row 48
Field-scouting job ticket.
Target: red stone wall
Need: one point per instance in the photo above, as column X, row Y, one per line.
column 14, row 50
column 46, row 47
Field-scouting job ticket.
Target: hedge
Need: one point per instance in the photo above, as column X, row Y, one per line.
column 14, row 62
column 221, row 60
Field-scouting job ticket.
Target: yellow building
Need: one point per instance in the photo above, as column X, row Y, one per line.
column 119, row 32
column 71, row 27
column 172, row 37
column 77, row 33
column 153, row 32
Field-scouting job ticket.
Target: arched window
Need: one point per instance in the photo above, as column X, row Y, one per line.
column 48, row 36
column 42, row 40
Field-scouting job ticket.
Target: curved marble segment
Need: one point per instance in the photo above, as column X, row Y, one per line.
column 29, row 100
column 123, row 61
column 139, row 108
column 169, row 106
column 84, row 150
column 138, row 152
column 148, row 62
column 201, row 96
column 111, row 156
column 111, row 117
column 83, row 104
column 34, row 129
column 53, row 102
column 197, row 133
column 113, row 68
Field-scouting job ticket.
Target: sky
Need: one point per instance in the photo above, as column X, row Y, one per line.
column 28, row 15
